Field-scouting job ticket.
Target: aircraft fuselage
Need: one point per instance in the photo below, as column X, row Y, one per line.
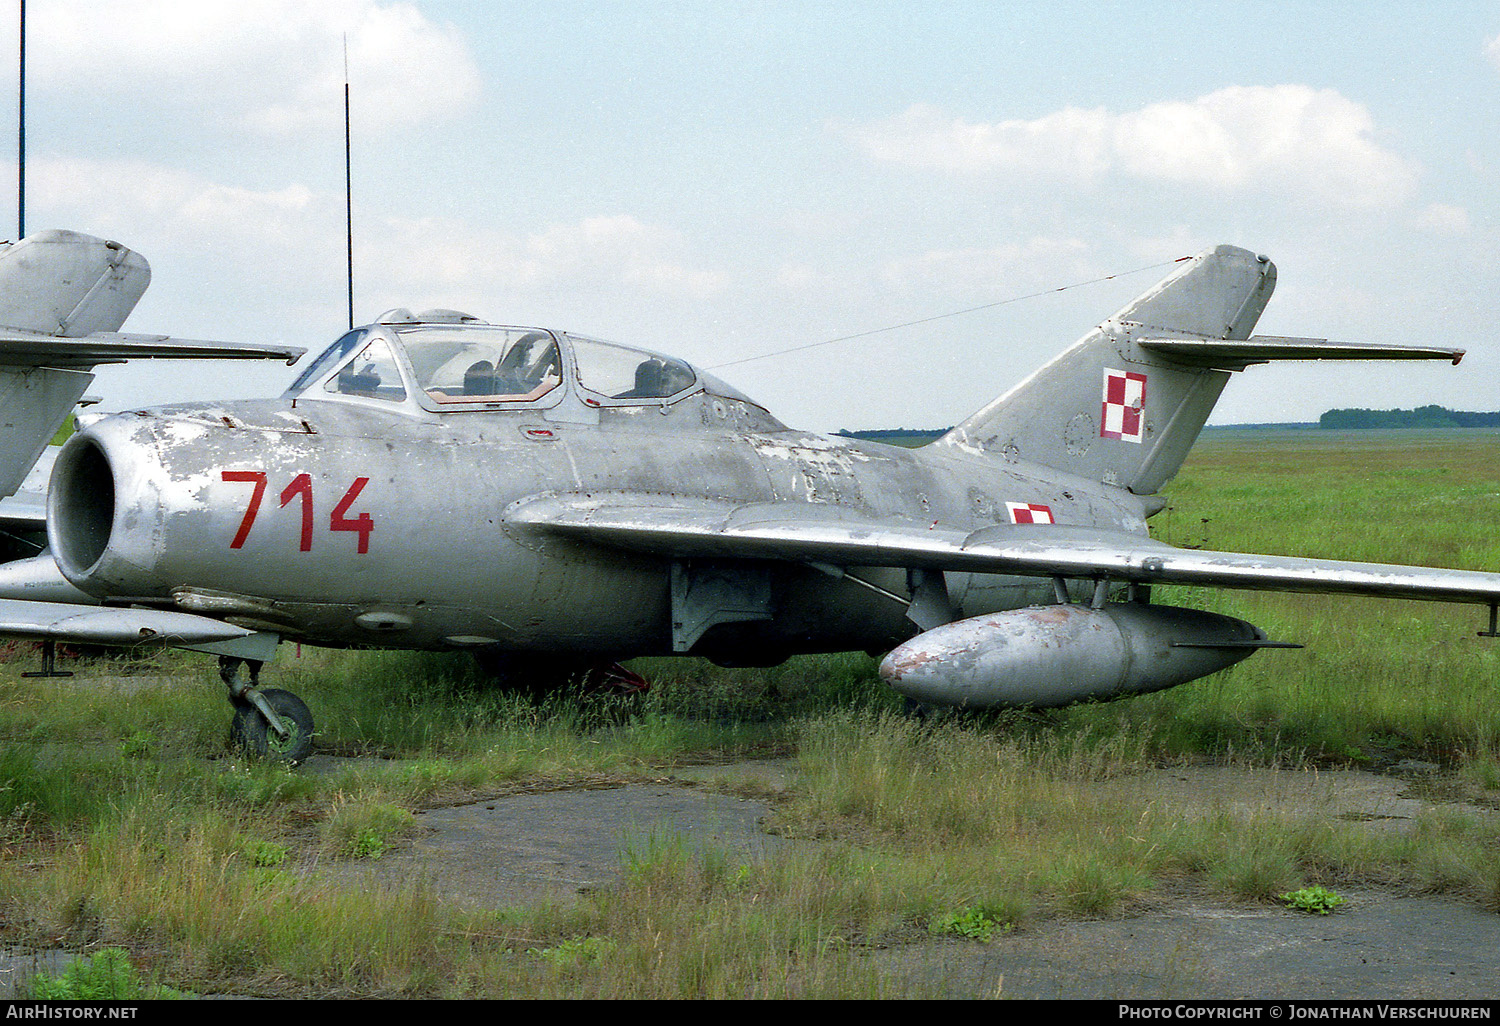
column 351, row 525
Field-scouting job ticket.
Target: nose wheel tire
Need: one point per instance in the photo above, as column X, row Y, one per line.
column 251, row 735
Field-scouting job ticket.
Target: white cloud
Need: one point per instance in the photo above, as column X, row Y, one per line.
column 1291, row 139
column 1443, row 219
column 1492, row 50
column 274, row 67
column 988, row 270
column 1072, row 140
column 596, row 253
column 179, row 207
column 273, row 259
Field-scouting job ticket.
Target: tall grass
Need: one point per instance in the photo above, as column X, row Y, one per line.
column 1377, row 677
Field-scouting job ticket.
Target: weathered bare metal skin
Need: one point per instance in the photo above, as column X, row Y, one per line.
column 442, row 551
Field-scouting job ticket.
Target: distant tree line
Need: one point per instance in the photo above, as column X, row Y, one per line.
column 898, row 435
column 1421, row 417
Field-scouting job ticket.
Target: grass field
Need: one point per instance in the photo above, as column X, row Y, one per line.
column 123, row 822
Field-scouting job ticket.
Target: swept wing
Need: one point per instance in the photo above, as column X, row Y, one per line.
column 815, row 533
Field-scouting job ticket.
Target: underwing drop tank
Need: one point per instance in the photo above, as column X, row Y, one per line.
column 1054, row 655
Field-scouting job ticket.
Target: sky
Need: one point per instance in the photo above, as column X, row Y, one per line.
column 721, row 180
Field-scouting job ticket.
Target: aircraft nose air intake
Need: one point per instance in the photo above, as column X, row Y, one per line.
column 104, row 511
column 81, row 508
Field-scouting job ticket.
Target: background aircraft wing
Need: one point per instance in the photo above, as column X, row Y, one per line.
column 23, row 511
column 28, row 349
column 818, row 533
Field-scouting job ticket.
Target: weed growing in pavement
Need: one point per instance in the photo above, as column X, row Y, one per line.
column 1316, row 899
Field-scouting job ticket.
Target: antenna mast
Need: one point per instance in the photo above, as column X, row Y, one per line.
column 21, row 137
column 348, row 187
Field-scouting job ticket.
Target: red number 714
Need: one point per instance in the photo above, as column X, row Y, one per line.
column 301, row 487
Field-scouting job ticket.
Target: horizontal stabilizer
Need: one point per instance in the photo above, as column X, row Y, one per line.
column 813, row 533
column 1231, row 354
column 100, row 625
column 18, row 348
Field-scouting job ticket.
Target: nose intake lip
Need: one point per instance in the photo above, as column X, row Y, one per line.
column 80, row 507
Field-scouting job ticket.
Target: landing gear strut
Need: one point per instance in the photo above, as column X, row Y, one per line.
column 49, row 662
column 268, row 723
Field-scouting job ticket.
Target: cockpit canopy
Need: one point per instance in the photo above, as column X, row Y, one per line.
column 482, row 364
column 446, row 362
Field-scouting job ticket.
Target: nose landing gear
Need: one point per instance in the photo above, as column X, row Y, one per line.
column 269, row 723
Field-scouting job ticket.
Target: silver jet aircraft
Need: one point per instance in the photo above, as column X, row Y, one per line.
column 439, row 482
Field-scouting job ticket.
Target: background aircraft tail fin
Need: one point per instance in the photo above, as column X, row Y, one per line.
column 68, row 284
column 62, row 297
column 65, row 285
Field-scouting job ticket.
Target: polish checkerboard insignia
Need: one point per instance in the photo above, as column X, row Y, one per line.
column 1123, row 416
column 1029, row 513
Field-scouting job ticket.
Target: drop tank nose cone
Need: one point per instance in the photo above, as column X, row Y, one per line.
column 902, row 663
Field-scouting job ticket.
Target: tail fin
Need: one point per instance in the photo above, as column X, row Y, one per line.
column 1126, row 402
column 62, row 297
column 64, row 285
column 1112, row 410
